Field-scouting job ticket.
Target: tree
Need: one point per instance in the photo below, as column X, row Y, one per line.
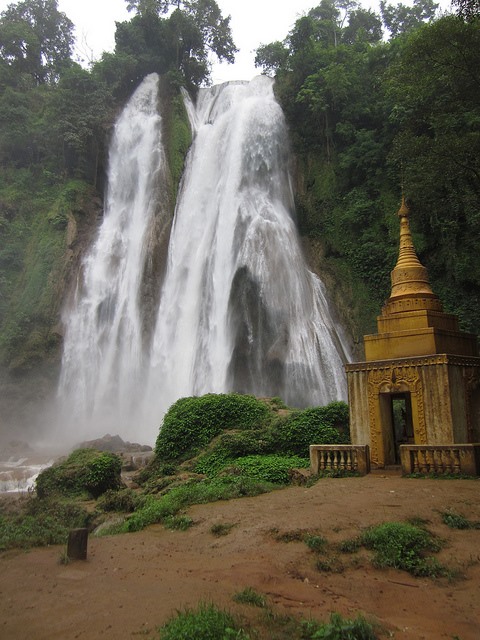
column 363, row 25
column 467, row 9
column 36, row 39
column 434, row 89
column 192, row 30
column 79, row 113
column 271, row 57
column 401, row 18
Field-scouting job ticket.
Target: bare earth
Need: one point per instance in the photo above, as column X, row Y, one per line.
column 130, row 584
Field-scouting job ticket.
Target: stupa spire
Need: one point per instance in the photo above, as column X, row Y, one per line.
column 410, row 284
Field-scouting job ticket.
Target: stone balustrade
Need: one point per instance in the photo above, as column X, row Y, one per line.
column 454, row 459
column 339, row 457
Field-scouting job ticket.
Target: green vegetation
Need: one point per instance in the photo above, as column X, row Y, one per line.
column 315, row 542
column 367, row 116
column 204, row 623
column 402, row 545
column 169, row 485
column 221, row 528
column 178, row 523
column 156, row 509
column 235, row 427
column 269, row 468
column 208, row 622
column 250, row 596
column 319, row 425
column 85, row 471
column 339, row 628
column 191, row 423
column 40, row 523
column 119, row 500
column 457, row 521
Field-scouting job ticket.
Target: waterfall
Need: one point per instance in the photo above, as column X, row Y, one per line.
column 238, row 308
column 105, row 357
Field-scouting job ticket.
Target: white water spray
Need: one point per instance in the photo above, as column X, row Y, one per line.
column 239, row 310
column 104, row 360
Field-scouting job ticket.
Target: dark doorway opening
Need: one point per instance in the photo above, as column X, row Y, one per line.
column 396, row 423
column 402, row 423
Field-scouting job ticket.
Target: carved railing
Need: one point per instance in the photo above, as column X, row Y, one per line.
column 450, row 459
column 339, row 457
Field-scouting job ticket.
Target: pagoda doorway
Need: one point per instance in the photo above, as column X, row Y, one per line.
column 397, row 424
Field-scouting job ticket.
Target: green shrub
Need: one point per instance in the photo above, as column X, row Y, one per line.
column 207, row 622
column 270, row 468
column 332, row 564
column 250, row 596
column 191, row 423
column 123, row 501
column 317, row 425
column 178, row 523
column 212, row 462
column 315, row 543
column 42, row 522
column 221, row 528
column 84, row 471
column 457, row 521
column 338, row 628
column 403, row 546
column 246, row 443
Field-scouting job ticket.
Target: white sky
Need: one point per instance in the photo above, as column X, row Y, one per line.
column 253, row 22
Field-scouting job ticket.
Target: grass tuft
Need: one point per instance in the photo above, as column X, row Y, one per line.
column 207, row 622
column 221, row 528
column 250, row 596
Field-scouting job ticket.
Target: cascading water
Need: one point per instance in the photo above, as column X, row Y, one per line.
column 104, row 360
column 238, row 311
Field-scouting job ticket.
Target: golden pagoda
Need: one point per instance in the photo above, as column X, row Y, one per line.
column 420, row 382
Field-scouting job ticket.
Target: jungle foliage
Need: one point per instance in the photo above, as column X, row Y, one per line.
column 85, row 471
column 370, row 117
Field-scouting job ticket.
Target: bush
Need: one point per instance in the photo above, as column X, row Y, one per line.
column 403, row 546
column 212, row 462
column 317, row 425
column 84, row 471
column 246, row 443
column 457, row 521
column 123, row 501
column 272, row 468
column 42, row 522
column 191, row 423
column 207, row 622
column 339, row 628
column 250, row 596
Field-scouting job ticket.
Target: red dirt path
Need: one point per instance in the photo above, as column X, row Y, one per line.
column 132, row 583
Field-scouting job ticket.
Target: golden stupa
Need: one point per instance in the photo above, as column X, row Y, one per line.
column 412, row 322
column 420, row 381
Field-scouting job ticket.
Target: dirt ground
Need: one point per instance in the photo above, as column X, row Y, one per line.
column 132, row 583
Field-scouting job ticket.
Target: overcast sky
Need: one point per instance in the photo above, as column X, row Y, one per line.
column 253, row 22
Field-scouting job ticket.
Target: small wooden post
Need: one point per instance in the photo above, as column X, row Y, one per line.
column 77, row 544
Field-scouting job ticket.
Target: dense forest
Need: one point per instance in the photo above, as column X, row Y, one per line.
column 376, row 104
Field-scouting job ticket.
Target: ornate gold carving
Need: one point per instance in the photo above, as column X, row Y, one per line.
column 420, row 361
column 395, row 379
